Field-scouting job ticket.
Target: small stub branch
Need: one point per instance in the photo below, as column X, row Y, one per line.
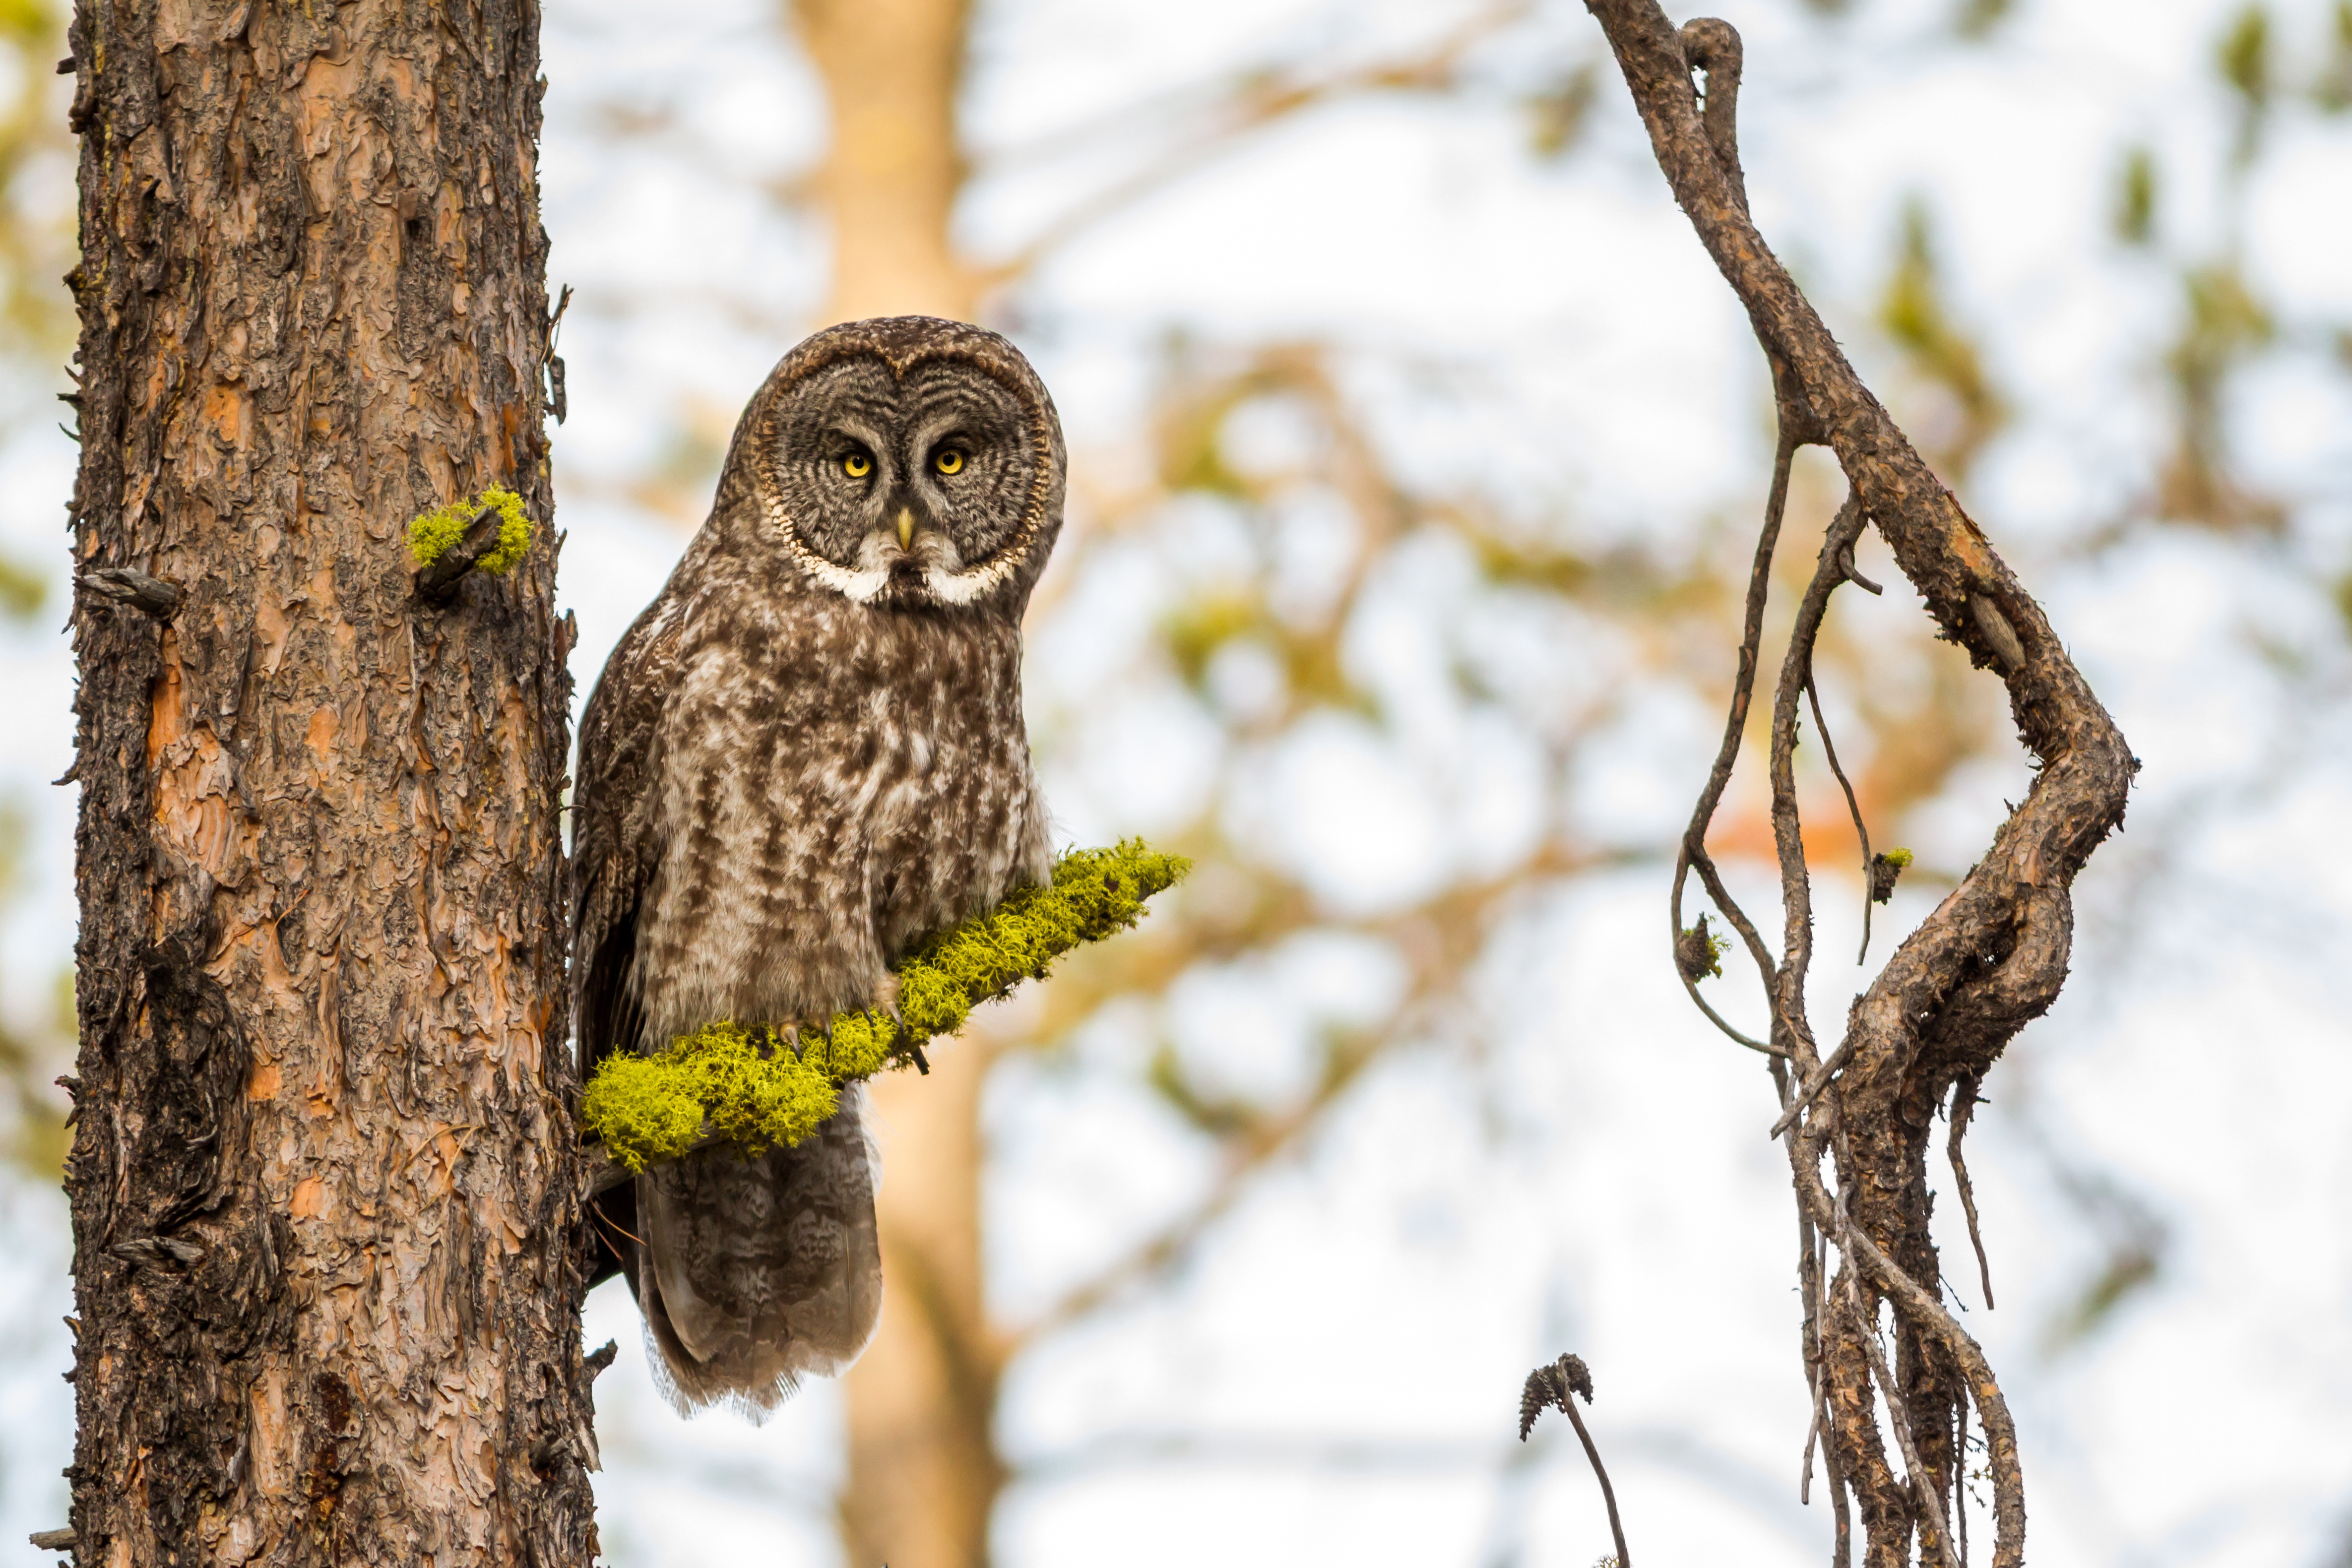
column 1987, row 960
column 490, row 531
column 136, row 589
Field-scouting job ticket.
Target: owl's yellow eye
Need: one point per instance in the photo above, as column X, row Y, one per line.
column 857, row 465
column 948, row 461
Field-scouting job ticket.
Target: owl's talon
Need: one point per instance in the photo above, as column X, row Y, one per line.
column 922, row 1064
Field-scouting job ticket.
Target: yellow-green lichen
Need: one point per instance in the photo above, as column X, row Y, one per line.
column 438, row 532
column 749, row 1083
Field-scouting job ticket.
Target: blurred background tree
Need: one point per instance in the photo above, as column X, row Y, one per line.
column 1413, row 446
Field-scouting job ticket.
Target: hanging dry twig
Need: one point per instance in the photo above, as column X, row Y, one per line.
column 1964, row 1106
column 1991, row 958
column 1853, row 806
column 1556, row 1385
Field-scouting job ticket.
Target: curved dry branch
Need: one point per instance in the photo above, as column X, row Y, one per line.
column 1852, row 804
column 1787, row 829
column 1993, row 955
column 1693, row 853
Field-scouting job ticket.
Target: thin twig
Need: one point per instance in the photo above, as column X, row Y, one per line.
column 1808, row 1290
column 1809, row 1283
column 1556, row 1386
column 1743, row 688
column 1608, row 1493
column 1818, row 1081
column 1829, row 749
column 1853, row 575
column 1960, row 1471
column 1842, row 1550
column 1964, row 1104
column 1787, row 827
column 1898, row 1407
column 1812, row 1440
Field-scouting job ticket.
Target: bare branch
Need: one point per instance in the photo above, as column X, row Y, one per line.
column 1921, row 1307
column 1993, row 955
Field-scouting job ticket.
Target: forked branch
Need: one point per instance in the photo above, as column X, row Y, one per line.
column 1993, row 955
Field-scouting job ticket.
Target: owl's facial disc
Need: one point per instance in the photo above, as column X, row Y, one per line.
column 904, row 492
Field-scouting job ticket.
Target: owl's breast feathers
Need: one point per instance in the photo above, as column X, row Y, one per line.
column 797, row 788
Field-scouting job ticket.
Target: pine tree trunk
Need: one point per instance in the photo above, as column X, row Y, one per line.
column 323, row 1181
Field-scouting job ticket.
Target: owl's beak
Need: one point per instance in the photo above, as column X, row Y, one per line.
column 906, row 527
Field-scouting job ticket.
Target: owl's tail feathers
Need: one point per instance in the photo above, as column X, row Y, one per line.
column 757, row 1273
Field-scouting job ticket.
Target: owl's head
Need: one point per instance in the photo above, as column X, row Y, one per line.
column 906, row 462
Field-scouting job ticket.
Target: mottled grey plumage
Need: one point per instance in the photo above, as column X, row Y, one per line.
column 804, row 756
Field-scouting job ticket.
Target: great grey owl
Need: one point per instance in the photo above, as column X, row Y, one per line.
column 806, row 755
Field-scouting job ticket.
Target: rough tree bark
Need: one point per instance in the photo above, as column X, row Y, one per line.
column 323, row 1180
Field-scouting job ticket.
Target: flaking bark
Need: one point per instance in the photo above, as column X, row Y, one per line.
column 323, row 1181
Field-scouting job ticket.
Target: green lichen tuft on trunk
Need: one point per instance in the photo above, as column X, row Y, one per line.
column 754, row 1086
column 435, row 534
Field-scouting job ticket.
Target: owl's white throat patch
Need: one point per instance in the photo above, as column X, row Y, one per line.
column 964, row 587
column 859, row 583
column 882, row 566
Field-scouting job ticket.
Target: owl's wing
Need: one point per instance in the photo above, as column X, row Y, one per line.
column 614, row 847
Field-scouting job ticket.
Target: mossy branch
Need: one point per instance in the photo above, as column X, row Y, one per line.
column 756, row 1085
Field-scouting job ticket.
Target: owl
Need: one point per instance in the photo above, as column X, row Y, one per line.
column 805, row 756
